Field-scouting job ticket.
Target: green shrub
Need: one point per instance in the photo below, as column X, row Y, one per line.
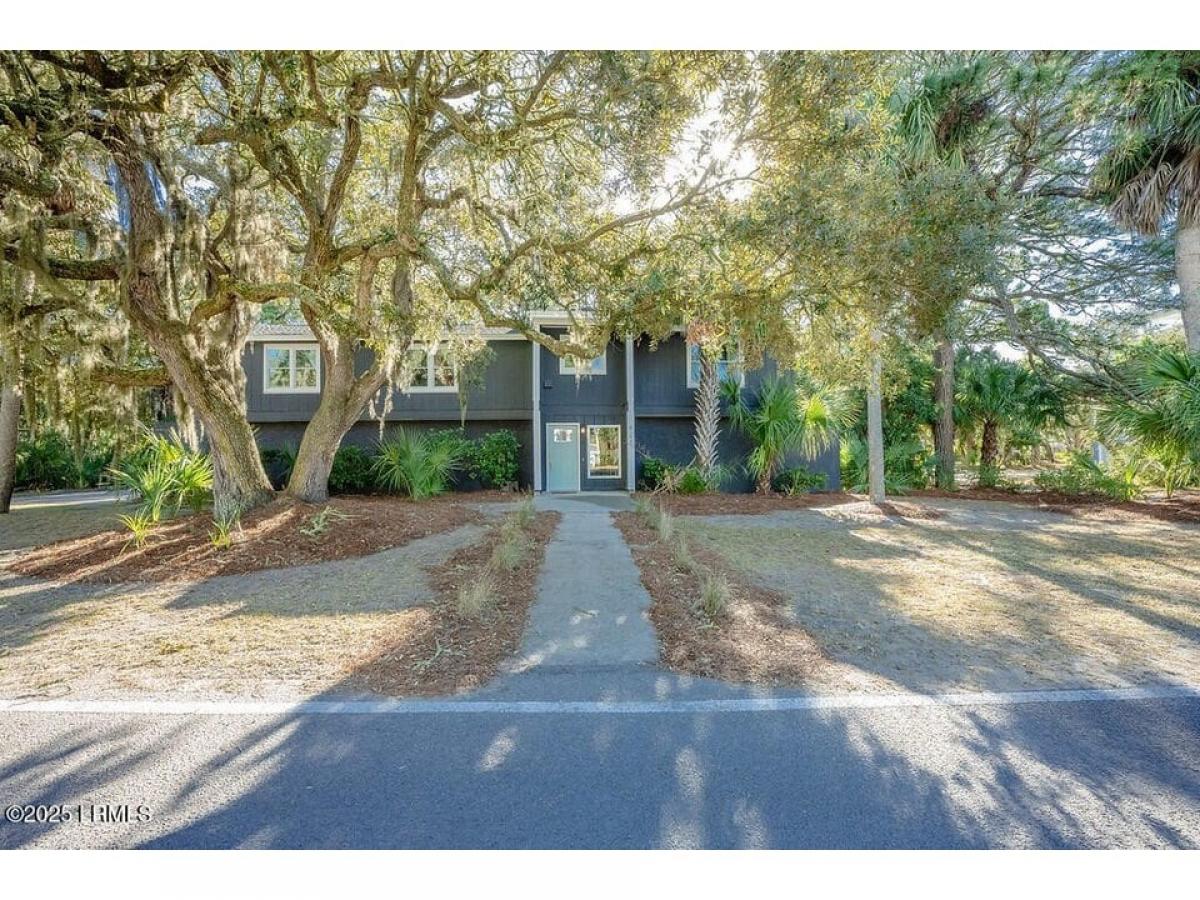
column 1084, row 478
column 798, row 481
column 418, row 465
column 278, row 463
column 351, row 472
column 654, row 470
column 221, row 534
column 906, row 465
column 495, row 459
column 46, row 464
column 692, row 481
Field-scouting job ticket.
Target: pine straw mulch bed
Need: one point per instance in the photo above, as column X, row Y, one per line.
column 180, row 549
column 753, row 641
column 437, row 650
column 1183, row 507
column 720, row 504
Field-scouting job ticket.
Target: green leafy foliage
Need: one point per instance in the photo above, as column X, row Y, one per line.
column 654, row 471
column 351, row 472
column 906, row 465
column 494, row 459
column 45, row 463
column 222, row 531
column 1082, row 477
column 783, row 416
column 163, row 473
column 417, row 465
column 1160, row 415
column 798, row 480
column 140, row 524
column 319, row 523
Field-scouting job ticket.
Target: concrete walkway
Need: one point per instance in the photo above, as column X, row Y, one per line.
column 591, row 608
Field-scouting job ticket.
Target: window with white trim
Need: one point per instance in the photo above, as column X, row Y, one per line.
column 570, row 365
column 291, row 369
column 604, row 451
column 729, row 365
column 432, row 371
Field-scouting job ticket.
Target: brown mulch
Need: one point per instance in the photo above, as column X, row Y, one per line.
column 718, row 504
column 753, row 641
column 1184, row 507
column 445, row 652
column 180, row 549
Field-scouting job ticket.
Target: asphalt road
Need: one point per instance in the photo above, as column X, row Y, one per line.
column 1065, row 774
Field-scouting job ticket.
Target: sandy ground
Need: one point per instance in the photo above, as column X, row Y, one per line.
column 38, row 519
column 977, row 595
column 271, row 634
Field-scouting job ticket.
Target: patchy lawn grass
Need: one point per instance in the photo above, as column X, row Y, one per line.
column 373, row 622
column 981, row 595
column 35, row 524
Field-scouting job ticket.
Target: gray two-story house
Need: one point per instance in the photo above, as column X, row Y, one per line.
column 582, row 425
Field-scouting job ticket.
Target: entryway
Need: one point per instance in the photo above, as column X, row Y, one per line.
column 562, row 456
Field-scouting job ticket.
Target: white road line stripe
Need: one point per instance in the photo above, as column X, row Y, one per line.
column 589, row 707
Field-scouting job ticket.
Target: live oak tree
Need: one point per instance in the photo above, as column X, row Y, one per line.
column 186, row 280
column 425, row 191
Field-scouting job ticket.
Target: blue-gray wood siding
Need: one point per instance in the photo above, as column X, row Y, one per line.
column 504, row 392
column 366, row 435
column 586, row 394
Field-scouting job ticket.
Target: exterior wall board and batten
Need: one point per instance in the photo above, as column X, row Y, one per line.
column 655, row 416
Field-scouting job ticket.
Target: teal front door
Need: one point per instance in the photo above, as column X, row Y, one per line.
column 562, row 456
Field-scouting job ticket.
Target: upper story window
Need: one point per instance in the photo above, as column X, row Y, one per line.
column 432, row 371
column 291, row 369
column 729, row 365
column 571, row 365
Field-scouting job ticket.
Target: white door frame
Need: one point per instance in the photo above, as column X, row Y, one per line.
column 578, row 453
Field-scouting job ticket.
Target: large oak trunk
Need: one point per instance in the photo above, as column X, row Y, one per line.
column 204, row 366
column 343, row 398
column 1187, row 271
column 943, row 363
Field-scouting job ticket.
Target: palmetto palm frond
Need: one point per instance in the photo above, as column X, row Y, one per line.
column 1153, row 166
column 1163, row 417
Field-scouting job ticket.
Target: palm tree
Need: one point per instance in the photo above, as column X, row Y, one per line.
column 1163, row 415
column 1152, row 168
column 998, row 394
column 781, row 418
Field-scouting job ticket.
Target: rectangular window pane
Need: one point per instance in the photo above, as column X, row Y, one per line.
column 419, row 362
column 562, row 435
column 443, row 371
column 304, row 368
column 604, row 451
column 278, row 367
column 693, row 365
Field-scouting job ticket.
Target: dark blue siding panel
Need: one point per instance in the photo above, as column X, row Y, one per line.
column 505, row 392
column 660, row 377
column 366, row 434
column 670, row 439
column 596, row 394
